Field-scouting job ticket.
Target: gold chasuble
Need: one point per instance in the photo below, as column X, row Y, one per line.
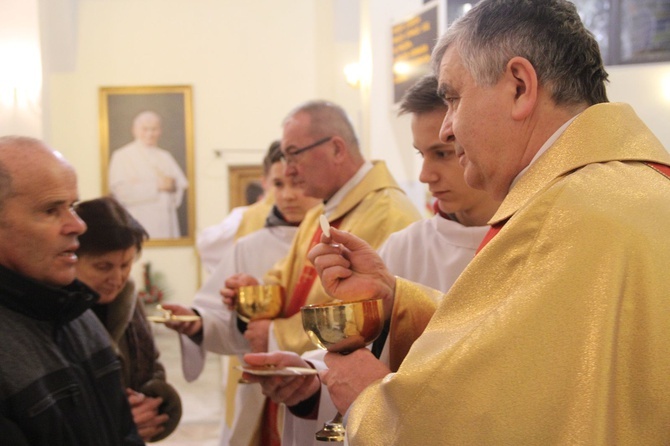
column 558, row 332
column 372, row 210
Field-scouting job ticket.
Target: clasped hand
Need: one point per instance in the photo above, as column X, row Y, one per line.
column 166, row 184
column 146, row 416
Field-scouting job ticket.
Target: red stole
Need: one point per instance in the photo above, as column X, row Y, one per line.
column 493, row 230
column 664, row 169
column 269, row 431
column 269, row 428
column 306, row 278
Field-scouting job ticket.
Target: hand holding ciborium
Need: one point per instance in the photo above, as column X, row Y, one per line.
column 342, row 327
column 256, row 302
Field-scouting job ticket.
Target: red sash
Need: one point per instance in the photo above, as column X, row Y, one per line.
column 306, row 278
column 664, row 169
column 493, row 230
column 269, row 429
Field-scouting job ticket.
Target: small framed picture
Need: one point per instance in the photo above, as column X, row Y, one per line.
column 245, row 185
column 146, row 139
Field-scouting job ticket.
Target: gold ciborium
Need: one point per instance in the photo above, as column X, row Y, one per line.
column 342, row 327
column 259, row 302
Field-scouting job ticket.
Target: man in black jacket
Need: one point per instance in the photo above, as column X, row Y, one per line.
column 60, row 381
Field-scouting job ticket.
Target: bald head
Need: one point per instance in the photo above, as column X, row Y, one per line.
column 38, row 225
column 23, row 158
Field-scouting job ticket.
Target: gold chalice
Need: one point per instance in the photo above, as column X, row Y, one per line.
column 342, row 327
column 259, row 302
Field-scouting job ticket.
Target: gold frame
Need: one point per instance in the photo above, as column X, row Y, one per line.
column 238, row 179
column 118, row 107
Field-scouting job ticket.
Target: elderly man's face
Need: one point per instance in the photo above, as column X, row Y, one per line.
column 311, row 170
column 147, row 130
column 38, row 226
column 479, row 124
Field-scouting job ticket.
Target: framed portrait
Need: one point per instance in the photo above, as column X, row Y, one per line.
column 146, row 140
column 244, row 184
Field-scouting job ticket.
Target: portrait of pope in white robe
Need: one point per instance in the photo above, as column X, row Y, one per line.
column 147, row 180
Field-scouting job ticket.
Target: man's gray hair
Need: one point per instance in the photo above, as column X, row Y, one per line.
column 327, row 119
column 548, row 33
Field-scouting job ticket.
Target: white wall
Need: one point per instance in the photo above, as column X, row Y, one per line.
column 389, row 136
column 248, row 64
column 20, row 69
column 647, row 88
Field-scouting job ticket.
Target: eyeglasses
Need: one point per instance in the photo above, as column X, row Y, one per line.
column 290, row 157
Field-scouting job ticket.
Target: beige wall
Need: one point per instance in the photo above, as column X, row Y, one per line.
column 247, row 62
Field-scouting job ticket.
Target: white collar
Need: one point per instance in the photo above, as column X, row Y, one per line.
column 548, row 143
column 336, row 199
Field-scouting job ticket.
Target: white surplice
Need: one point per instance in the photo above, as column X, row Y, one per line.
column 432, row 252
column 217, row 240
column 253, row 254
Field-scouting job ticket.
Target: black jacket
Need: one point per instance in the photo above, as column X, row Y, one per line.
column 133, row 342
column 60, row 381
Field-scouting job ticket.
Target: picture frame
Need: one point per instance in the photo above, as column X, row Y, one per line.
column 146, row 140
column 240, row 178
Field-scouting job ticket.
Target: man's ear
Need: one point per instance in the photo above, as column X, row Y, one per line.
column 339, row 148
column 524, row 77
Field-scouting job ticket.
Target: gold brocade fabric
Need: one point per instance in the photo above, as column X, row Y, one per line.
column 372, row 210
column 409, row 322
column 558, row 332
column 254, row 216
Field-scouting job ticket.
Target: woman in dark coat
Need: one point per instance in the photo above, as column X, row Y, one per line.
column 106, row 253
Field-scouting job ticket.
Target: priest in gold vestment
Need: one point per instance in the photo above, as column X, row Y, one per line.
column 557, row 332
column 322, row 157
column 359, row 196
